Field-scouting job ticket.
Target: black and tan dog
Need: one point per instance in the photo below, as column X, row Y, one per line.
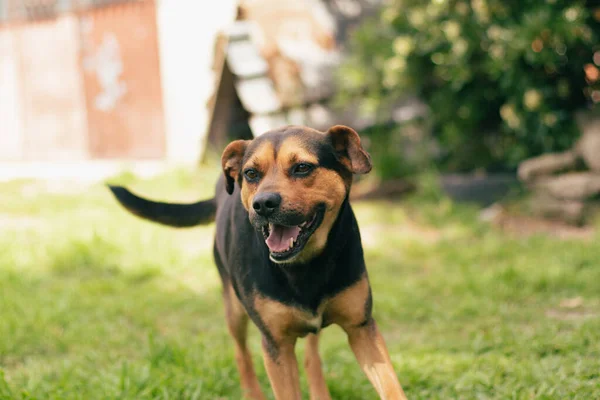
column 289, row 253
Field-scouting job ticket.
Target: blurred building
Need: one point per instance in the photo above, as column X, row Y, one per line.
column 99, row 83
column 275, row 66
column 96, row 83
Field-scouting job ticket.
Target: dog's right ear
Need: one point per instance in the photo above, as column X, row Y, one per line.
column 231, row 161
column 346, row 143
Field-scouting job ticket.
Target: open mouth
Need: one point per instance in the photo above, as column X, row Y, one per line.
column 285, row 242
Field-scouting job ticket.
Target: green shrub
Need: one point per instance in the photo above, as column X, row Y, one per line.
column 502, row 79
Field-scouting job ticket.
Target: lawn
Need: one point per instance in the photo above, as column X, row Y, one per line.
column 96, row 304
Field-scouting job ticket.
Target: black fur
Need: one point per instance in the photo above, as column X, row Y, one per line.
column 177, row 215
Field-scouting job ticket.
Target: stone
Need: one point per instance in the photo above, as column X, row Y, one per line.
column 588, row 145
column 570, row 211
column 572, row 186
column 547, row 164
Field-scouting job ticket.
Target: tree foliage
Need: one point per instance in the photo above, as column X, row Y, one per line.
column 502, row 79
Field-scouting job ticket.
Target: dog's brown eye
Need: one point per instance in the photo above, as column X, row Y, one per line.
column 251, row 174
column 302, row 169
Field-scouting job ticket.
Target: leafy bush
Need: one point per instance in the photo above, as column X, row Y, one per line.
column 502, row 79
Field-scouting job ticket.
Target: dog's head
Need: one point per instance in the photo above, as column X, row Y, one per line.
column 293, row 182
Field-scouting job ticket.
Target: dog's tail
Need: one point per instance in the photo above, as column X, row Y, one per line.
column 177, row 215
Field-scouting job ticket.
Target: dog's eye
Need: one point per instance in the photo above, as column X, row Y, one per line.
column 302, row 169
column 251, row 174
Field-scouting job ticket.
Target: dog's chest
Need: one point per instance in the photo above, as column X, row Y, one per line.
column 349, row 307
column 284, row 319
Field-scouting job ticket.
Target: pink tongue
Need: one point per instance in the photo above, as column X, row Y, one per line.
column 279, row 238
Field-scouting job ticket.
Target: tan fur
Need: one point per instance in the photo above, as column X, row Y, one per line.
column 322, row 186
column 262, row 160
column 286, row 321
column 237, row 323
column 283, row 372
column 347, row 310
column 372, row 355
column 231, row 161
column 317, row 386
column 293, row 151
column 285, row 324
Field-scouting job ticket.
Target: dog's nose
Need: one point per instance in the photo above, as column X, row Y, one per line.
column 266, row 203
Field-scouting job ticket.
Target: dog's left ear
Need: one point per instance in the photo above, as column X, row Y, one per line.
column 350, row 152
column 231, row 161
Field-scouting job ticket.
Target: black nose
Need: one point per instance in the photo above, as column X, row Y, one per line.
column 266, row 203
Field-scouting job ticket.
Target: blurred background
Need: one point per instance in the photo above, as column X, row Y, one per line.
column 479, row 219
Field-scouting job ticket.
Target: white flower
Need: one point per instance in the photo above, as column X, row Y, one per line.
column 403, row 45
column 571, row 14
column 394, row 64
column 508, row 114
column 494, row 32
column 550, row 119
column 416, row 17
column 462, row 8
column 481, row 10
column 532, row 99
column 497, row 51
column 437, row 58
column 451, row 29
column 460, row 47
column 389, row 14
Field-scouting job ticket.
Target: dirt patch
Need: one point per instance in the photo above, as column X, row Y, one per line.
column 524, row 226
column 571, row 315
column 571, row 309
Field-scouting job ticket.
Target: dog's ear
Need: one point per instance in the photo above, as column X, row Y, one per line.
column 349, row 151
column 231, row 161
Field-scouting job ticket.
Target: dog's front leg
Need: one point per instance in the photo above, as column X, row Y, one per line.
column 372, row 355
column 282, row 368
column 314, row 371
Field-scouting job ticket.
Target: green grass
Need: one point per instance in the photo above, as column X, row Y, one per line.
column 96, row 304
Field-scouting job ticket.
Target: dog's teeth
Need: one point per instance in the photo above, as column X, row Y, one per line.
column 291, row 242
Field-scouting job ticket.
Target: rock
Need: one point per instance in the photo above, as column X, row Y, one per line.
column 569, row 211
column 572, row 186
column 484, row 189
column 547, row 164
column 588, row 145
column 383, row 190
column 574, row 302
column 492, row 213
column 561, row 191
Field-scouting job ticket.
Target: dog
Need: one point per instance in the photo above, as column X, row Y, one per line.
column 288, row 250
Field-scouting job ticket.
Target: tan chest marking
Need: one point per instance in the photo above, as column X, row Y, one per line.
column 349, row 307
column 283, row 320
column 346, row 308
